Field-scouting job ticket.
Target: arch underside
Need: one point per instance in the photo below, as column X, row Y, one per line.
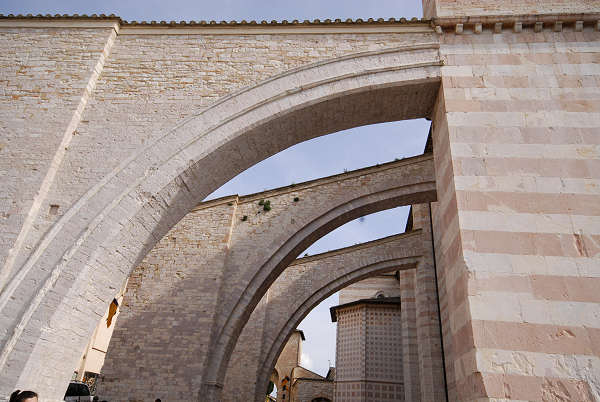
column 287, row 251
column 92, row 249
column 258, row 249
column 302, row 286
column 294, row 299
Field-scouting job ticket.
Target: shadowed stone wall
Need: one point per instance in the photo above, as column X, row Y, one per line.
column 410, row 351
column 306, row 389
column 288, row 360
column 184, row 285
column 310, row 280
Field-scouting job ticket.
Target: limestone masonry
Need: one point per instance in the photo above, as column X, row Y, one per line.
column 112, row 133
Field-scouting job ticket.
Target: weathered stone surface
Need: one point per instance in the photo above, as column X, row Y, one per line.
column 168, row 310
column 306, row 389
column 429, row 343
column 514, row 137
column 121, row 187
column 309, row 280
column 517, row 162
column 47, row 80
column 385, row 285
column 234, row 241
column 410, row 351
column 464, row 8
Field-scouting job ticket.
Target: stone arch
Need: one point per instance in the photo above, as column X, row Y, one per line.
column 72, row 273
column 302, row 286
column 288, row 242
column 261, row 239
column 292, row 301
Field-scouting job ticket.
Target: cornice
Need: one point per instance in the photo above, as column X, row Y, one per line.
column 517, row 23
column 385, row 302
column 370, row 25
column 456, row 25
column 269, row 29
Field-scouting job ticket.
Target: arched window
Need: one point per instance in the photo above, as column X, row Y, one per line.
column 321, row 399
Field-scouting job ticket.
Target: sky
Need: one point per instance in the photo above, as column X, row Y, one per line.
column 178, row 10
column 361, row 147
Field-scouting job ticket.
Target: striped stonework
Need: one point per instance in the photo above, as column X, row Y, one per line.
column 517, row 148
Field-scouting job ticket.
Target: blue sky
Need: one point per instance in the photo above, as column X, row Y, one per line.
column 360, row 147
column 355, row 148
column 178, row 10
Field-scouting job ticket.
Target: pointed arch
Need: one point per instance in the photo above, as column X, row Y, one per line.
column 90, row 251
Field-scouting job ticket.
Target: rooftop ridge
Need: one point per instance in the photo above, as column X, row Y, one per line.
column 239, row 199
column 233, row 23
column 229, row 199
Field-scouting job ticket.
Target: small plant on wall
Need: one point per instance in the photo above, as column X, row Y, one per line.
column 265, row 204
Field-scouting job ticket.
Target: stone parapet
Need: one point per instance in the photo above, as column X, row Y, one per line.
column 467, row 8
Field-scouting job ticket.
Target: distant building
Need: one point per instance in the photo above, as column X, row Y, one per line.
column 295, row 383
column 369, row 350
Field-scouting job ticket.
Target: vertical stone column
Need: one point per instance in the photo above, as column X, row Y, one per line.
column 446, row 235
column 432, row 383
column 517, row 223
column 410, row 351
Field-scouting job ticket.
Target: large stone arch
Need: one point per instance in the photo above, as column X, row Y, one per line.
column 256, row 270
column 303, row 285
column 73, row 271
column 243, row 240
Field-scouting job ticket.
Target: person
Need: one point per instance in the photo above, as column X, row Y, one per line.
column 23, row 396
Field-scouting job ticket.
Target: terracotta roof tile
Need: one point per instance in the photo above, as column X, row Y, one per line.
column 338, row 21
